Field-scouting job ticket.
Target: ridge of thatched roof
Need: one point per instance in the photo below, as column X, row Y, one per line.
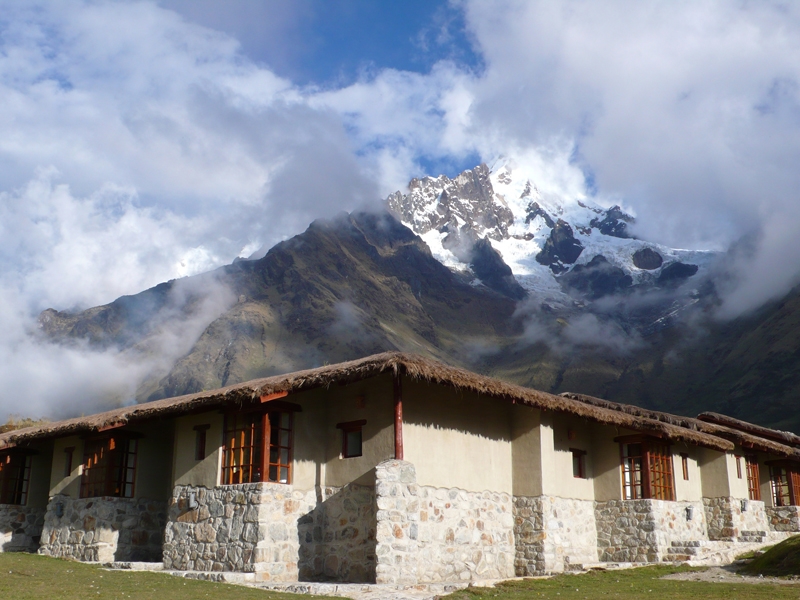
column 743, row 438
column 411, row 365
column 784, row 437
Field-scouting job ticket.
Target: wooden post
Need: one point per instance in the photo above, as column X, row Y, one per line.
column 398, row 416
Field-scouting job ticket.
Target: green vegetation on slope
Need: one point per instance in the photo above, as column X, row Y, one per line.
column 779, row 561
column 32, row 577
column 632, row 584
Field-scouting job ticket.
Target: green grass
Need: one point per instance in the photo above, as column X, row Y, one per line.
column 780, row 560
column 632, row 584
column 29, row 576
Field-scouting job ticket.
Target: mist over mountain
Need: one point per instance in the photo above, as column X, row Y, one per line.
column 482, row 271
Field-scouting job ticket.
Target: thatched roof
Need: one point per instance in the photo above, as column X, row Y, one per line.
column 413, row 366
column 743, row 438
column 784, row 437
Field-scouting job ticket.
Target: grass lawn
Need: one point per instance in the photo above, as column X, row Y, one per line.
column 631, row 584
column 29, row 576
column 780, row 560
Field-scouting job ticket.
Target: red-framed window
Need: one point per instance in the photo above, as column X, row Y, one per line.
column 15, row 475
column 753, row 479
column 738, row 466
column 578, row 463
column 352, row 438
column 258, row 446
column 785, row 479
column 646, row 468
column 685, row 466
column 109, row 466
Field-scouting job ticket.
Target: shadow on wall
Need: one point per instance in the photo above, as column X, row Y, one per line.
column 338, row 538
column 20, row 528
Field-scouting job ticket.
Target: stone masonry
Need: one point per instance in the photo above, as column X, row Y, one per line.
column 553, row 534
column 645, row 530
column 728, row 522
column 427, row 534
column 784, row 518
column 271, row 529
column 103, row 529
column 20, row 528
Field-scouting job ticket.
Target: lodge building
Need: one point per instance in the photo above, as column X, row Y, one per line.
column 394, row 469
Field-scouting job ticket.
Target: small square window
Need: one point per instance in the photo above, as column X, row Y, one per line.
column 352, row 438
column 578, row 463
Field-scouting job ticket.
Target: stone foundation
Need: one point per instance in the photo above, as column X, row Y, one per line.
column 427, row 534
column 20, row 528
column 103, row 529
column 727, row 521
column 272, row 529
column 553, row 534
column 644, row 530
column 784, row 518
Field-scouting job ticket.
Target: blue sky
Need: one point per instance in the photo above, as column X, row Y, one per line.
column 146, row 140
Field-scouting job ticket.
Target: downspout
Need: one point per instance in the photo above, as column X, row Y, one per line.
column 398, row 413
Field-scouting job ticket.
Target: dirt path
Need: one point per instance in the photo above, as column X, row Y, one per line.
column 729, row 575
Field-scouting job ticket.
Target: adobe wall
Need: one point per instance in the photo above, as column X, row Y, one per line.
column 274, row 530
column 553, row 534
column 727, row 521
column 644, row 530
column 103, row 529
column 20, row 527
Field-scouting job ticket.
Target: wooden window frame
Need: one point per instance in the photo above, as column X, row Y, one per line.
column 753, row 477
column 255, row 462
column 738, row 458
column 685, row 465
column 648, row 475
column 352, row 427
column 784, row 478
column 579, row 461
column 69, row 457
column 110, row 464
column 15, row 477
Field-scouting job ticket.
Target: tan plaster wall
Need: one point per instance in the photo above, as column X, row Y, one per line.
column 606, row 463
column 154, row 460
column 185, row 469
column 457, row 439
column 560, row 480
column 691, row 489
column 526, row 451
column 343, row 404
column 69, row 485
column 41, row 473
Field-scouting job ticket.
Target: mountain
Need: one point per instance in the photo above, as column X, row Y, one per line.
column 483, row 271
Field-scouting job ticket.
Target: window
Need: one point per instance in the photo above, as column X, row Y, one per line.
column 200, row 441
column 68, row 456
column 109, row 466
column 685, row 465
column 785, row 478
column 245, row 455
column 738, row 466
column 578, row 463
column 352, row 438
column 15, row 474
column 646, row 469
column 753, row 488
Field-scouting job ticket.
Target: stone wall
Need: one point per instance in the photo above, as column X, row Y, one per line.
column 272, row 529
column 20, row 528
column 727, row 521
column 103, row 529
column 644, row 530
column 783, row 518
column 337, row 538
column 553, row 534
column 427, row 534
